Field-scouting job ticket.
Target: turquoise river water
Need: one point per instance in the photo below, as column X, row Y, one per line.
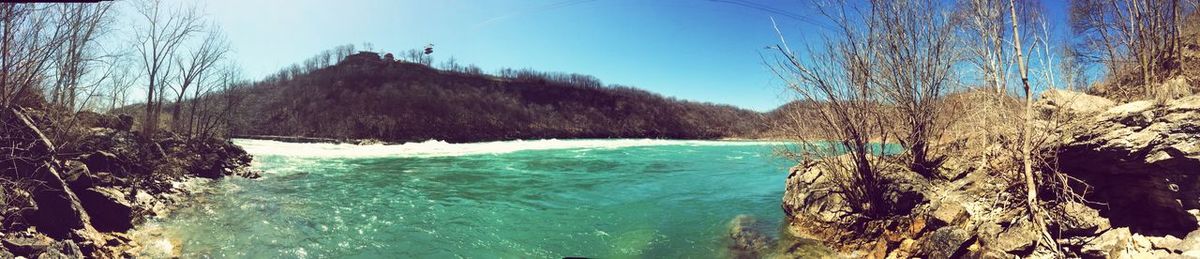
column 512, row 199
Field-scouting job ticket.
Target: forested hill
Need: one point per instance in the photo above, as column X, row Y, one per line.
column 366, row 96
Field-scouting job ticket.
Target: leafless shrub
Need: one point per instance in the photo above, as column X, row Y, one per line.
column 14, row 201
column 836, row 80
column 916, row 45
column 25, row 152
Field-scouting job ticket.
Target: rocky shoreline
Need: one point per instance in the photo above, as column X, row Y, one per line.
column 1133, row 167
column 80, row 199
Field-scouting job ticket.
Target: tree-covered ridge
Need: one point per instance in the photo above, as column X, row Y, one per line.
column 366, row 96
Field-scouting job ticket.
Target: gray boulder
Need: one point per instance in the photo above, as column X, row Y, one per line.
column 746, row 238
column 4, row 254
column 949, row 212
column 1018, row 237
column 1070, row 103
column 945, row 242
column 1110, row 244
column 1075, row 218
column 77, row 175
column 108, row 208
column 102, row 161
column 803, row 199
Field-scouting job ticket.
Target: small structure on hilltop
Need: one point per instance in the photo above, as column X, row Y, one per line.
column 389, row 58
column 363, row 57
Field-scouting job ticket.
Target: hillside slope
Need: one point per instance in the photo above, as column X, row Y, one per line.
column 365, row 96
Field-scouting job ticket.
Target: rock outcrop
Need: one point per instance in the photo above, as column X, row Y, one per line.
column 818, row 208
column 29, row 244
column 30, row 156
column 1142, row 159
column 214, row 159
column 1069, row 103
column 105, row 162
column 108, row 208
column 1137, row 166
column 1074, row 218
column 814, row 194
column 945, row 242
column 59, row 212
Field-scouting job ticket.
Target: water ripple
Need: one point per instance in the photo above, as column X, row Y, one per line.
column 610, row 198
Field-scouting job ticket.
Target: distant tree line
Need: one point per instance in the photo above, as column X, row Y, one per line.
column 364, row 95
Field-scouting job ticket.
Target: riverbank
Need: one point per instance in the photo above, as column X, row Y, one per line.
column 1122, row 185
column 78, row 198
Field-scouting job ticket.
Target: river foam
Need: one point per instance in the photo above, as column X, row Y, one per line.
column 436, row 148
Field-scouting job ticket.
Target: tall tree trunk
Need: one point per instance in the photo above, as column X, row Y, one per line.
column 1026, row 144
column 5, row 42
column 1031, row 192
column 176, row 109
column 1177, row 36
column 150, row 120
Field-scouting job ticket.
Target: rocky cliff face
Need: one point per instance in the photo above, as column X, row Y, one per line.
column 1142, row 159
column 1137, row 166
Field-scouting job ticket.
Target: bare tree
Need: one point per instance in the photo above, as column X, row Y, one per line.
column 451, row 65
column 210, row 115
column 84, row 24
column 118, row 85
column 418, row 56
column 341, row 52
column 199, row 61
column 916, row 66
column 986, row 39
column 1141, row 37
column 984, row 33
column 28, row 42
column 1027, row 144
column 157, row 41
column 836, row 80
column 1030, row 186
column 1074, row 72
column 326, row 58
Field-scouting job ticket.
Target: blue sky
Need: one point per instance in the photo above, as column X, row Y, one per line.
column 695, row 50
